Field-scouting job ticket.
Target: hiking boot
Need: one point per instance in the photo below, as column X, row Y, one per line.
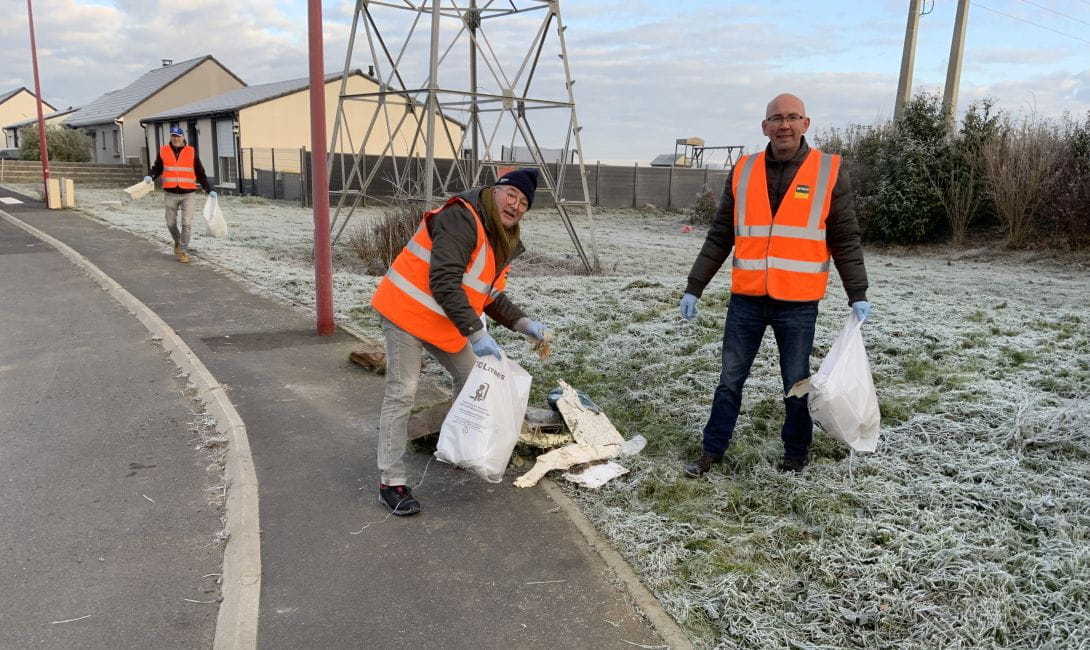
column 183, row 257
column 398, row 499
column 177, row 248
column 700, row 466
column 793, row 463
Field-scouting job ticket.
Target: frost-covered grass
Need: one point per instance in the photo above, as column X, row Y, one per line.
column 970, row 527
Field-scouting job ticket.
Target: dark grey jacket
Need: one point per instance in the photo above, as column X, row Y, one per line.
column 841, row 228
column 453, row 237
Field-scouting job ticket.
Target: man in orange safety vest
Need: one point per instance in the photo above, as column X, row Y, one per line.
column 786, row 212
column 181, row 169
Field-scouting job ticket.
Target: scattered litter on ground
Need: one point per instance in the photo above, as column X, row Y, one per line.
column 596, row 475
column 374, row 360
column 72, row 620
column 595, row 436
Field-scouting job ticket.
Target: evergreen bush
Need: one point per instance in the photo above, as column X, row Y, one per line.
column 65, row 145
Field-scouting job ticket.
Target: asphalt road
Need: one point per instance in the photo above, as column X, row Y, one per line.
column 108, row 525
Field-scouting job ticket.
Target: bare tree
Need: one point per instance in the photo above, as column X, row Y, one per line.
column 1020, row 166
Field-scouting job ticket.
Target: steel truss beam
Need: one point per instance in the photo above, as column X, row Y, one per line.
column 468, row 120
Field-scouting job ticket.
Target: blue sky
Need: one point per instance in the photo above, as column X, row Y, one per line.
column 647, row 71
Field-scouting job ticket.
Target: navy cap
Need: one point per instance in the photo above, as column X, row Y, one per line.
column 177, row 130
column 525, row 180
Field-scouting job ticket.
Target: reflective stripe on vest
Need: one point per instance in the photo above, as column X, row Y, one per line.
column 404, row 296
column 783, row 256
column 178, row 172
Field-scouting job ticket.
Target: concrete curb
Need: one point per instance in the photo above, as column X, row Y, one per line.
column 667, row 628
column 236, row 625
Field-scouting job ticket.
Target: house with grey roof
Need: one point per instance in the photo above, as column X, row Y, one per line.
column 113, row 120
column 11, row 131
column 275, row 117
column 19, row 104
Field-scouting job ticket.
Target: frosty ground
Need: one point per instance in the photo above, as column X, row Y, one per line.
column 970, row 527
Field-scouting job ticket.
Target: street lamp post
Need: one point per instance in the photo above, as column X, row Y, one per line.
column 319, row 175
column 43, row 147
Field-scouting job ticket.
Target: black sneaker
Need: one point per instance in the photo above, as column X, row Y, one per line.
column 700, row 466
column 398, row 499
column 793, row 463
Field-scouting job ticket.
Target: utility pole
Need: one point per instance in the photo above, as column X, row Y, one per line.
column 953, row 71
column 319, row 175
column 908, row 59
column 43, row 146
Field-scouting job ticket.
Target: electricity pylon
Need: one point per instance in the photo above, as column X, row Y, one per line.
column 490, row 67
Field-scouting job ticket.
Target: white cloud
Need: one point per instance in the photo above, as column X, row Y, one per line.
column 647, row 72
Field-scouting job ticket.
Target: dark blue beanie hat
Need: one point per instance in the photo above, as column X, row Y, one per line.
column 525, row 180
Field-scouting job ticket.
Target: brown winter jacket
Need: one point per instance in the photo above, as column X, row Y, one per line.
column 841, row 228
column 454, row 236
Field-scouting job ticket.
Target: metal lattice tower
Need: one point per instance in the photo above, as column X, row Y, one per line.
column 490, row 67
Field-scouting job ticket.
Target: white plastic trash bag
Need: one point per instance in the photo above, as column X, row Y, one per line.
column 842, row 398
column 215, row 224
column 482, row 426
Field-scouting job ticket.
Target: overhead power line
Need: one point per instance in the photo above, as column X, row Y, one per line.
column 1055, row 31
column 1078, row 20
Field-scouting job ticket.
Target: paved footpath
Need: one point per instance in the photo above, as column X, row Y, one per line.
column 108, row 532
column 483, row 566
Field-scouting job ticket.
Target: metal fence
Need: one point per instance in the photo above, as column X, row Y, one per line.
column 274, row 173
column 283, row 174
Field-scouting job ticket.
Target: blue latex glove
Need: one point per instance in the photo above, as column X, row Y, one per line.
column 861, row 309
column 688, row 306
column 532, row 328
column 212, row 194
column 147, row 179
column 483, row 344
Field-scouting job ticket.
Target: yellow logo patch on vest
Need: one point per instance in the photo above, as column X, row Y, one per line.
column 802, row 191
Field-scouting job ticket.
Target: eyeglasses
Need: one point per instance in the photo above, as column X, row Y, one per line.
column 513, row 198
column 781, row 119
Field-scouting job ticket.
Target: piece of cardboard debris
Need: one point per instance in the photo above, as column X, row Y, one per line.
column 370, row 359
column 595, row 436
column 543, row 347
column 139, row 190
column 595, row 476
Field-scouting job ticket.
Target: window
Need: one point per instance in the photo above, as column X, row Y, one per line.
column 226, row 164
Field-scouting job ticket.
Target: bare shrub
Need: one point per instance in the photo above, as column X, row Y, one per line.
column 1020, row 167
column 960, row 195
column 1072, row 195
column 705, row 209
column 379, row 241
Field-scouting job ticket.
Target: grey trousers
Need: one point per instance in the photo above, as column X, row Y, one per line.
column 403, row 359
column 173, row 202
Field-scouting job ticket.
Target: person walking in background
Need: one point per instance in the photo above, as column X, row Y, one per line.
column 452, row 270
column 784, row 212
column 182, row 171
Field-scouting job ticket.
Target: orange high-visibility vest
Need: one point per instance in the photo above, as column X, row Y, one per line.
column 404, row 294
column 178, row 172
column 783, row 256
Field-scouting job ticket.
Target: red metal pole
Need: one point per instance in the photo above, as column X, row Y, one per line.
column 43, row 146
column 319, row 175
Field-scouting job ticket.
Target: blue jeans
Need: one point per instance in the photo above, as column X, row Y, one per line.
column 793, row 325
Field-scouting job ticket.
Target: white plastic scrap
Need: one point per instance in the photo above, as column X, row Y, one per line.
column 595, row 476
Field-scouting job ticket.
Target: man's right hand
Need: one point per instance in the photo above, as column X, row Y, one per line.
column 688, row 306
column 147, row 179
column 483, row 344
